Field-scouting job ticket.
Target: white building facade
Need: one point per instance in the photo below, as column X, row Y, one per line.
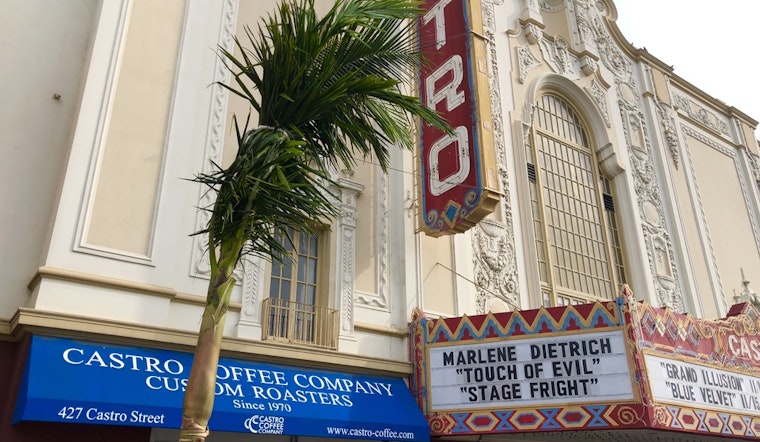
column 611, row 170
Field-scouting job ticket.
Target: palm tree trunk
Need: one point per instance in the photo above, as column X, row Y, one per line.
column 199, row 393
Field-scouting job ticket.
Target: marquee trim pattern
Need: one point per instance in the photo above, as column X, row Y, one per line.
column 646, row 330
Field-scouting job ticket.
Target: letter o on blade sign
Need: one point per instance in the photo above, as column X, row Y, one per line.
column 460, row 142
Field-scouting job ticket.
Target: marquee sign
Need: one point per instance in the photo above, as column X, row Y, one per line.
column 696, row 385
column 619, row 366
column 530, row 372
column 458, row 171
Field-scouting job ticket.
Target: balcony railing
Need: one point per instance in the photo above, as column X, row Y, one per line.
column 297, row 323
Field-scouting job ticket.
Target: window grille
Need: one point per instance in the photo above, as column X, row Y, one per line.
column 577, row 240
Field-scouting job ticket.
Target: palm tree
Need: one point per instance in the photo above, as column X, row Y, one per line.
column 327, row 91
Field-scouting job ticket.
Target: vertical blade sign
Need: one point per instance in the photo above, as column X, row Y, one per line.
column 458, row 171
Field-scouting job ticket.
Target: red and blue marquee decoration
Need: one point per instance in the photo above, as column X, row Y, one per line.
column 607, row 367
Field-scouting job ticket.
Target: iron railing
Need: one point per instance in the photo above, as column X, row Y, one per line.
column 298, row 323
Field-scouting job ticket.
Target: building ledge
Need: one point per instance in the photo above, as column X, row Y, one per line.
column 28, row 320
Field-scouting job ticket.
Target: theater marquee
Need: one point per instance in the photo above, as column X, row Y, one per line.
column 619, row 367
column 529, row 372
column 458, row 171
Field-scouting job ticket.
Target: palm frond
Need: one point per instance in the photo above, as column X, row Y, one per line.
column 336, row 82
column 269, row 185
column 327, row 91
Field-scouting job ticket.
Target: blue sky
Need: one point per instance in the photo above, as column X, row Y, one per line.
column 713, row 45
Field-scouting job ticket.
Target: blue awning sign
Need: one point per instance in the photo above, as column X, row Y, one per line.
column 76, row 381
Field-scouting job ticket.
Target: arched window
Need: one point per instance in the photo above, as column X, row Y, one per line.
column 577, row 240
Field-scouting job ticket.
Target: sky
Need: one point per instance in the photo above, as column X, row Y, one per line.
column 714, row 45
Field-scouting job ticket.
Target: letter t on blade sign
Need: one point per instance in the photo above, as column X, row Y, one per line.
column 458, row 178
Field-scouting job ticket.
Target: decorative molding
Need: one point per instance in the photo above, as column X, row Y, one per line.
column 669, row 131
column 658, row 245
column 557, row 55
column 526, row 61
column 584, row 19
column 656, row 237
column 214, row 143
column 708, row 239
column 551, row 5
column 384, row 239
column 376, row 329
column 532, row 32
column 754, row 161
column 346, row 281
column 598, row 93
column 101, row 281
column 588, row 64
column 346, row 247
column 253, row 273
column 382, row 234
column 116, row 19
column 727, row 151
column 700, row 114
column 733, row 153
column 505, row 234
column 530, row 9
column 27, row 320
column 495, row 269
column 590, row 18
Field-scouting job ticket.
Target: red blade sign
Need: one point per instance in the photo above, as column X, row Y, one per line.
column 458, row 171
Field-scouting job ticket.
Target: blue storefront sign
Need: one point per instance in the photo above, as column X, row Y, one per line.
column 76, row 381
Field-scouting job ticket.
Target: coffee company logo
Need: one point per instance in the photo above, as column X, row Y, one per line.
column 259, row 424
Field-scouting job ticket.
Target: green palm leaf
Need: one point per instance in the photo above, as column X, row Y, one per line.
column 327, row 92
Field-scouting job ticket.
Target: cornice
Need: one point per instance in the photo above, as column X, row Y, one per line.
column 388, row 331
column 27, row 320
column 118, row 284
column 5, row 330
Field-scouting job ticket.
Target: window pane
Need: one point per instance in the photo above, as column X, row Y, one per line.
column 570, row 209
column 302, row 268
column 313, row 241
column 312, row 271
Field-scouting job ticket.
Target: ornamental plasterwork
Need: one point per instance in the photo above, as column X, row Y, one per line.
column 346, row 282
column 669, row 131
column 551, row 5
column 526, row 61
column 532, row 32
column 382, row 233
column 346, row 230
column 754, row 161
column 702, row 115
column 599, row 95
column 689, row 163
column 556, row 55
column 253, row 273
column 583, row 19
column 499, row 237
column 200, row 266
column 734, row 154
column 659, row 249
column 495, row 264
column 590, row 14
column 588, row 65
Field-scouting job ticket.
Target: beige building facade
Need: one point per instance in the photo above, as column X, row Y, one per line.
column 612, row 170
